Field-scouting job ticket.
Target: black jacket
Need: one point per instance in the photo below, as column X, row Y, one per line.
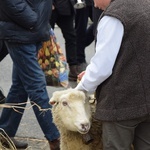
column 25, row 21
column 64, row 7
column 88, row 2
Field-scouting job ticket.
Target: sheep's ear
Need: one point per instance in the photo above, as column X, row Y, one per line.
column 54, row 99
column 52, row 102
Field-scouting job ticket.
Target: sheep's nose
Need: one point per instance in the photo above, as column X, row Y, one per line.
column 85, row 126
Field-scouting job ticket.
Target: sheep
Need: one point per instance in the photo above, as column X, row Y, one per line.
column 72, row 114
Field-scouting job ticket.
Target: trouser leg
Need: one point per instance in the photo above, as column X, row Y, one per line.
column 24, row 57
column 89, row 35
column 81, row 20
column 120, row 135
column 117, row 136
column 142, row 136
column 53, row 18
column 96, row 15
column 10, row 118
column 67, row 27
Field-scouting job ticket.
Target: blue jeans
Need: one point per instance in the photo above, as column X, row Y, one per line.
column 28, row 81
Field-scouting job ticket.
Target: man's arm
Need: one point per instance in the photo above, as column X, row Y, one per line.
column 109, row 38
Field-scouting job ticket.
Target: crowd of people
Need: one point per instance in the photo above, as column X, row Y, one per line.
column 118, row 73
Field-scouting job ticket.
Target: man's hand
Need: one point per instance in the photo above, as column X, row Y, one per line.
column 81, row 75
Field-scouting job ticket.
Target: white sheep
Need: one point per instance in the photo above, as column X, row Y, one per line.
column 72, row 115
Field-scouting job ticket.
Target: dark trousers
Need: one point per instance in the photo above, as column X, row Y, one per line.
column 84, row 35
column 122, row 134
column 66, row 24
column 96, row 15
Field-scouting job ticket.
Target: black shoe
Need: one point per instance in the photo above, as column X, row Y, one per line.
column 18, row 144
column 55, row 144
column 5, row 141
column 2, row 98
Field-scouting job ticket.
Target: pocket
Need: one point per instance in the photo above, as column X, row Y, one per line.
column 128, row 123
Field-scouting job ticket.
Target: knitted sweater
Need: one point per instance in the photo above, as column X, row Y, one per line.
column 126, row 93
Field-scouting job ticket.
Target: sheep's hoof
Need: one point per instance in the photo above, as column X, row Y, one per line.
column 87, row 138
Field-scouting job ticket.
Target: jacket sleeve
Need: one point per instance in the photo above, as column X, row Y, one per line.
column 20, row 12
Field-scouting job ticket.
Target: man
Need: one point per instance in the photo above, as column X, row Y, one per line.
column 23, row 26
column 63, row 15
column 84, row 33
column 120, row 72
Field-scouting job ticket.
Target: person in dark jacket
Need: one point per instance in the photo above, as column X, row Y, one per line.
column 120, row 73
column 23, row 26
column 85, row 34
column 63, row 15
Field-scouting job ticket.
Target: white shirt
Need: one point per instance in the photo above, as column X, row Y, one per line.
column 109, row 38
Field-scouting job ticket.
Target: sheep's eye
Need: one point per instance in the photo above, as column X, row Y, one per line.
column 65, row 103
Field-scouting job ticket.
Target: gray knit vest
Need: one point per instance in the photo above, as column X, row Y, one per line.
column 126, row 93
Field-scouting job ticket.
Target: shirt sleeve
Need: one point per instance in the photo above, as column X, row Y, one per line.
column 109, row 38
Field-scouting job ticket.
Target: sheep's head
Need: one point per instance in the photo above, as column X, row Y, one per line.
column 71, row 110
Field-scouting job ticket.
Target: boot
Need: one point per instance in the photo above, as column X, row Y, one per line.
column 55, row 144
column 73, row 73
column 18, row 144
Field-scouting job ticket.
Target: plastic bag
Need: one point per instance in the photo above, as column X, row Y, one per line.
column 53, row 62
